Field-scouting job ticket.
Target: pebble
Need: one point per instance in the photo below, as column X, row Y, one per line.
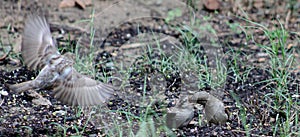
column 3, row 92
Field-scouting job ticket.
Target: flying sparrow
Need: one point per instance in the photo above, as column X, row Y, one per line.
column 39, row 51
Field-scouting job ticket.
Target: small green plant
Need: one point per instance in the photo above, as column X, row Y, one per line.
column 192, row 4
column 84, row 64
column 7, row 49
column 292, row 5
column 27, row 129
column 235, row 27
column 173, row 14
column 281, row 62
column 243, row 113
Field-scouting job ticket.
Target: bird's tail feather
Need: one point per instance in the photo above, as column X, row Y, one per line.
column 20, row 87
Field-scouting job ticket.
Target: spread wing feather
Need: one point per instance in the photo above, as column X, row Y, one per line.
column 37, row 42
column 38, row 49
column 81, row 90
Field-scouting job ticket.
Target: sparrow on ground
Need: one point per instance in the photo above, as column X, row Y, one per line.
column 181, row 114
column 39, row 52
column 214, row 108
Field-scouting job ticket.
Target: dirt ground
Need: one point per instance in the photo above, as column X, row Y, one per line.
column 122, row 30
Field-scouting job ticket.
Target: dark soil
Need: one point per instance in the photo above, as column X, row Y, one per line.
column 113, row 40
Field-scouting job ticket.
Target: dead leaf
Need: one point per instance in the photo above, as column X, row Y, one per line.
column 290, row 46
column 212, row 4
column 72, row 3
column 67, row 3
column 80, row 3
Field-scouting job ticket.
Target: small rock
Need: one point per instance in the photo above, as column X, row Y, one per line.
column 3, row 92
column 67, row 3
column 41, row 101
column 295, row 96
column 38, row 99
column 261, row 54
column 261, row 60
column 128, row 35
column 59, row 113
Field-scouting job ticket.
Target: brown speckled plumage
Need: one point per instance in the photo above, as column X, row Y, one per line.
column 70, row 87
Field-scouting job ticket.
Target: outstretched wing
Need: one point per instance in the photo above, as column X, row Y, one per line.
column 77, row 89
column 37, row 43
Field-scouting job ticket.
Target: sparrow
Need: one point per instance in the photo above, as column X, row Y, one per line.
column 39, row 52
column 181, row 114
column 214, row 108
